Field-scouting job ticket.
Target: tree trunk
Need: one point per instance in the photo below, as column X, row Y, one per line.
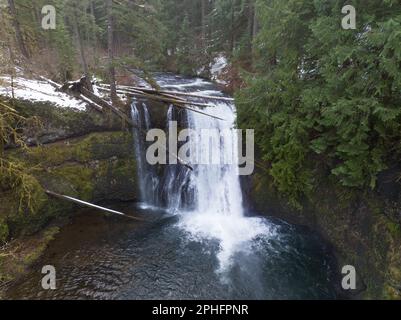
column 17, row 27
column 250, row 18
column 81, row 49
column 94, row 36
column 12, row 71
column 255, row 23
column 110, row 43
column 232, row 33
column 203, row 22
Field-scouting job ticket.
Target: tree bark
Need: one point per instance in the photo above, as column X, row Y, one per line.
column 110, row 44
column 17, row 27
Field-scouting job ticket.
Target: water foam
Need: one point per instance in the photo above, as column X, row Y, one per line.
column 234, row 234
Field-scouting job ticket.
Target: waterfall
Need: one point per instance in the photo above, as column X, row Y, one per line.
column 209, row 199
column 176, row 177
column 147, row 178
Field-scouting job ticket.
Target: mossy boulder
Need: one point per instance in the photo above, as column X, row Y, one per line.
column 63, row 123
column 96, row 167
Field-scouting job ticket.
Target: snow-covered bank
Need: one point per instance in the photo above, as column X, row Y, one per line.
column 40, row 91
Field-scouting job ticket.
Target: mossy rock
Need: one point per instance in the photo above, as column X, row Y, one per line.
column 62, row 123
column 3, row 231
column 97, row 167
column 362, row 226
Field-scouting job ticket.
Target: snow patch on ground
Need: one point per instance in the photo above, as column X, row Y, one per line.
column 40, row 91
column 217, row 67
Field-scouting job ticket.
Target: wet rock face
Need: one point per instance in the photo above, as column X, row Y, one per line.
column 158, row 113
column 96, row 167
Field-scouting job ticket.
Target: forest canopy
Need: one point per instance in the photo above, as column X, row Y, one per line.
column 177, row 35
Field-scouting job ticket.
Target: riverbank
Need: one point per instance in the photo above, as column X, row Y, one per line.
column 80, row 153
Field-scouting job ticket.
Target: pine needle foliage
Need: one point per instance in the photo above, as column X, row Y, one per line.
column 324, row 99
column 14, row 176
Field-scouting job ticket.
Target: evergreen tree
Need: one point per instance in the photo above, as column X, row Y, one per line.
column 325, row 99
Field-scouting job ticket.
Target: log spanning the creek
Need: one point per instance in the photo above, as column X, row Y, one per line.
column 179, row 103
column 90, row 205
column 174, row 94
column 79, row 90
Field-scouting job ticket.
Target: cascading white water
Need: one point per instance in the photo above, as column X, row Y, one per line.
column 215, row 209
column 175, row 178
column 148, row 182
column 219, row 212
column 136, row 118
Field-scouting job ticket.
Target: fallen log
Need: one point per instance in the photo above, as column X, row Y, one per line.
column 105, row 104
column 124, row 117
column 193, row 95
column 68, row 87
column 84, row 92
column 159, row 97
column 174, row 100
column 177, row 103
column 91, row 103
column 90, row 205
column 52, row 83
column 100, row 104
column 174, row 93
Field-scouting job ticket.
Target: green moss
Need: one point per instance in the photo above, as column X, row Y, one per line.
column 125, row 168
column 80, row 177
column 3, row 231
column 361, row 226
column 96, row 167
column 47, row 237
column 69, row 121
column 394, row 228
column 93, row 167
column 22, row 253
column 97, row 146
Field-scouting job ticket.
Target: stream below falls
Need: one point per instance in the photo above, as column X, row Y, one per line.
column 100, row 257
